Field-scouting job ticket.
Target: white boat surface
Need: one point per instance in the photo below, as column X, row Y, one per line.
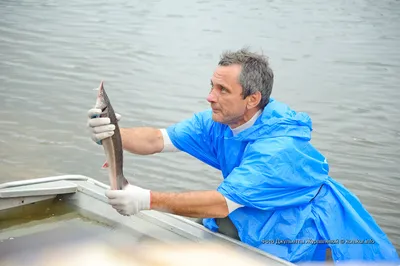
column 71, row 207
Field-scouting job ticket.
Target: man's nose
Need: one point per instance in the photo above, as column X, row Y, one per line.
column 211, row 96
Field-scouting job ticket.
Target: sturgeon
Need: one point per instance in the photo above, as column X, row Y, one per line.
column 112, row 145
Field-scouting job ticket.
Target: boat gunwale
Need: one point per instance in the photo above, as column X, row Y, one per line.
column 52, row 179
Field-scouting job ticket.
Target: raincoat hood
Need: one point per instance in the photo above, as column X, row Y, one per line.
column 278, row 120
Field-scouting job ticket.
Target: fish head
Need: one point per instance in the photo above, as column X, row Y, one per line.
column 102, row 99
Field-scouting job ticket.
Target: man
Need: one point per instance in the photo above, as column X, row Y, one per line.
column 276, row 185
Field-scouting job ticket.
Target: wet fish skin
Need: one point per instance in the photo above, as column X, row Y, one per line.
column 112, row 145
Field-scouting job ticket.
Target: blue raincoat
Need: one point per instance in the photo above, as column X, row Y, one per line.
column 273, row 170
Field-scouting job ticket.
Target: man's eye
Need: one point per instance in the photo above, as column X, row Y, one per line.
column 223, row 89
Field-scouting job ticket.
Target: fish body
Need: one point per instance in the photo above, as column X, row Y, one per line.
column 112, row 145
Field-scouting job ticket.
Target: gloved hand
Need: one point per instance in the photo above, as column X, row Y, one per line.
column 130, row 200
column 100, row 127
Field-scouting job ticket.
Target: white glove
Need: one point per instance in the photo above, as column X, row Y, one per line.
column 100, row 127
column 130, row 200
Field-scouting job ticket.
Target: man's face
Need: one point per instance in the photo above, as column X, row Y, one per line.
column 225, row 96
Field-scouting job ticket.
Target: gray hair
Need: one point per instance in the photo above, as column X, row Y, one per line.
column 256, row 74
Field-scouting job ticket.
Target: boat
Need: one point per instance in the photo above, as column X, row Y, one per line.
column 41, row 213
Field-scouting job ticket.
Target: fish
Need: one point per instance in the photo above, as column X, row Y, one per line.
column 112, row 145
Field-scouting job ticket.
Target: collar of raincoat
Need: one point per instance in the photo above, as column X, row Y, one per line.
column 276, row 120
column 246, row 125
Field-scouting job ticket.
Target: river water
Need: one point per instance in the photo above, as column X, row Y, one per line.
column 339, row 61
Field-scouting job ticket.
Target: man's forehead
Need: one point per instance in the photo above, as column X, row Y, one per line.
column 226, row 74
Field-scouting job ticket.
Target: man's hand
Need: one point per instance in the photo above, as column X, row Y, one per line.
column 133, row 199
column 130, row 200
column 100, row 127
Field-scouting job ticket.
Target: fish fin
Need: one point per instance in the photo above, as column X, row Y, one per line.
column 105, row 165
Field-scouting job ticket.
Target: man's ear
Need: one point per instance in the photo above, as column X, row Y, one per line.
column 253, row 100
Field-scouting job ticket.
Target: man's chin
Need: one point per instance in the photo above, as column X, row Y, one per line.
column 217, row 118
column 214, row 116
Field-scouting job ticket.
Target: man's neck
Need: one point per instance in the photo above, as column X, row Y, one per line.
column 246, row 125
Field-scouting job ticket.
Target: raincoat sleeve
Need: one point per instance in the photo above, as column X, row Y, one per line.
column 195, row 137
column 275, row 173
